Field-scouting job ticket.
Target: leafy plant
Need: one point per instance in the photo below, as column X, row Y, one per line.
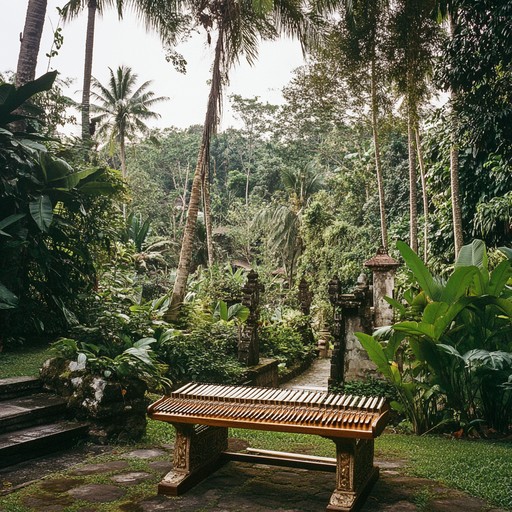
column 206, row 353
column 136, row 230
column 135, row 362
column 51, row 228
column 456, row 351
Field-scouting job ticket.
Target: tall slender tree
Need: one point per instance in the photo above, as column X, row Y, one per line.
column 413, row 38
column 71, row 10
column 122, row 108
column 361, row 34
column 30, row 41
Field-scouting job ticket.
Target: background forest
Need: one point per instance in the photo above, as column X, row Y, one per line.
column 397, row 127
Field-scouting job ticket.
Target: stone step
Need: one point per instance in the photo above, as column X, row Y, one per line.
column 33, row 442
column 12, row 387
column 26, row 411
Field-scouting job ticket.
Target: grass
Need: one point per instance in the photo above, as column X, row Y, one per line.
column 23, row 361
column 480, row 468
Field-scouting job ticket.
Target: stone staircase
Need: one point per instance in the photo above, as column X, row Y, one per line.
column 33, row 422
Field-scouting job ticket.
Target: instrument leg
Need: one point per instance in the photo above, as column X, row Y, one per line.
column 355, row 474
column 197, row 452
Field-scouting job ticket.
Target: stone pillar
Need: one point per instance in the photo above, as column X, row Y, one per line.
column 248, row 346
column 305, row 297
column 336, row 376
column 383, row 268
column 351, row 314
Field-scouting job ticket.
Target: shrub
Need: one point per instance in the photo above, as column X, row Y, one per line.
column 206, row 354
column 285, row 344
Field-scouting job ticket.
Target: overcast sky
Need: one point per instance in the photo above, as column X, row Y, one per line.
column 127, row 43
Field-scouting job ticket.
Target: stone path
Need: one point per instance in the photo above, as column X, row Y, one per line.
column 236, row 487
column 314, row 378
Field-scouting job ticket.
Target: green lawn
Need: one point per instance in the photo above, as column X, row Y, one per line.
column 23, row 361
column 478, row 467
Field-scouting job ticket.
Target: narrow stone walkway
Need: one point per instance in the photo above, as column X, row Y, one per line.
column 314, row 378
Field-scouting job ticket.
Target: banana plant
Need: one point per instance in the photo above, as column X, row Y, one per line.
column 457, row 321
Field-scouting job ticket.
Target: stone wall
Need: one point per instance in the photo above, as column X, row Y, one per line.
column 361, row 311
column 115, row 411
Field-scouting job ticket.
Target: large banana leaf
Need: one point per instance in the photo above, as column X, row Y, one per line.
column 473, row 254
column 11, row 97
column 375, row 353
column 425, row 279
column 499, row 278
column 7, row 299
column 507, row 251
column 458, row 283
column 12, row 219
column 41, row 211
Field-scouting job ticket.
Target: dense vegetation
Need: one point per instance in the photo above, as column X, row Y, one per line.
column 140, row 272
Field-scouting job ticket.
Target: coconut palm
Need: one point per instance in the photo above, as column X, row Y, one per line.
column 123, row 108
column 156, row 16
column 361, row 25
column 70, row 11
column 238, row 27
column 414, row 38
column 30, row 41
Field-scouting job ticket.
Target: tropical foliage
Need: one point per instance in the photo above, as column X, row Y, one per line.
column 53, row 220
column 450, row 355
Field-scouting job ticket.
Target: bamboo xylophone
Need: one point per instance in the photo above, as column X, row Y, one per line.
column 285, row 410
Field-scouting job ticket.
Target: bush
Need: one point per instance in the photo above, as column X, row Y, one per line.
column 285, row 344
column 205, row 354
column 368, row 387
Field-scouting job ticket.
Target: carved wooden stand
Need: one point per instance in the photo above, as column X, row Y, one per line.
column 355, row 473
column 200, row 450
column 197, row 452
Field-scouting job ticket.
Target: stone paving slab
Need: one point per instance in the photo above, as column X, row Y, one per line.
column 97, row 493
column 104, row 467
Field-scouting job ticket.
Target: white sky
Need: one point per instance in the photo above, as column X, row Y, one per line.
column 127, row 43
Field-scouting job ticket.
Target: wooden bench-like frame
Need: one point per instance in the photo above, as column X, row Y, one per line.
column 201, row 448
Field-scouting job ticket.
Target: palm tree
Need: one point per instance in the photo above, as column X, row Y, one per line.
column 360, row 30
column 282, row 222
column 447, row 10
column 458, row 239
column 70, row 11
column 413, row 38
column 30, row 41
column 239, row 25
column 123, row 108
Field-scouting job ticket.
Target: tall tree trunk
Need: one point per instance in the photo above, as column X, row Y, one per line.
column 86, row 90
column 208, row 218
column 184, row 196
column 378, row 166
column 30, row 41
column 413, row 193
column 424, row 193
column 458, row 240
column 122, row 156
column 247, row 176
column 455, row 194
column 210, row 123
